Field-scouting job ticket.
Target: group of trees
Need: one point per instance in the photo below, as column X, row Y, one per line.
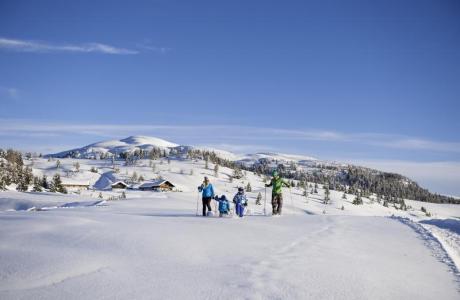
column 13, row 171
column 359, row 181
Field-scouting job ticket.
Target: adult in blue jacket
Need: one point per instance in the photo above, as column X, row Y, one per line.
column 207, row 191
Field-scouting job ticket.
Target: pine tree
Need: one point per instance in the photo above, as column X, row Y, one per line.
column 123, row 195
column 248, row 187
column 141, row 178
column 22, row 186
column 2, row 183
column 358, row 200
column 216, row 170
column 56, row 185
column 37, row 185
column 100, row 196
column 77, row 166
column 326, row 195
column 403, row 205
column 259, row 199
column 134, row 177
column 58, row 164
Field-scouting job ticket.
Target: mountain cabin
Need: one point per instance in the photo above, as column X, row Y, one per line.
column 119, row 185
column 157, row 186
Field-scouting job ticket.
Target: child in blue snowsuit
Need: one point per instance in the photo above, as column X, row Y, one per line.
column 240, row 201
column 224, row 205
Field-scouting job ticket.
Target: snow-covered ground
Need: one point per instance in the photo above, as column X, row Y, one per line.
column 153, row 246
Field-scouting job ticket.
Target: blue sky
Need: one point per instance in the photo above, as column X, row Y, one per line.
column 375, row 82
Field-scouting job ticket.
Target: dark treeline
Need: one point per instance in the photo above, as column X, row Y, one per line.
column 355, row 180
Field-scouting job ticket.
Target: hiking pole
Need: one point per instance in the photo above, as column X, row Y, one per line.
column 265, row 202
column 197, row 203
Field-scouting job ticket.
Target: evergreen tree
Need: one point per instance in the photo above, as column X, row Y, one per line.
column 100, row 196
column 216, row 170
column 141, row 178
column 56, row 185
column 77, row 166
column 58, row 164
column 259, row 199
column 248, row 187
column 134, row 177
column 37, row 185
column 123, row 195
column 358, row 200
column 22, row 185
column 326, row 195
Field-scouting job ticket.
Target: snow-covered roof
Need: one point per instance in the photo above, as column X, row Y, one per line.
column 155, row 183
column 117, row 182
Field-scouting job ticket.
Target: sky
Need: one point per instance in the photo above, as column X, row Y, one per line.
column 369, row 82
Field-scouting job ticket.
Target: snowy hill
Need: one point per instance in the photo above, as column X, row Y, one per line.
column 114, row 147
column 82, row 246
column 299, row 167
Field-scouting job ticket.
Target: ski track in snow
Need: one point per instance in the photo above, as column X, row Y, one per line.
column 435, row 244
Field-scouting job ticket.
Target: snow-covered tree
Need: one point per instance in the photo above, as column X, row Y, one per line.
column 248, row 187
column 358, row 200
column 56, row 185
column 326, row 195
column 37, row 185
column 259, row 199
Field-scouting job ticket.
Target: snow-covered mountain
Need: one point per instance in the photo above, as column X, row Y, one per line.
column 116, row 147
column 147, row 143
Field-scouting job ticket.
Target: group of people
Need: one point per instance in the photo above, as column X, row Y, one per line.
column 240, row 200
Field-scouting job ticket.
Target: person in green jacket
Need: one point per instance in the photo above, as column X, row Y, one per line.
column 277, row 194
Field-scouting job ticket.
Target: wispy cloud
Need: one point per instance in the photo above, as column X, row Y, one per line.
column 148, row 45
column 45, row 47
column 228, row 134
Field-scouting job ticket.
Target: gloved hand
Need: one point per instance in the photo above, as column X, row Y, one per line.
column 245, row 204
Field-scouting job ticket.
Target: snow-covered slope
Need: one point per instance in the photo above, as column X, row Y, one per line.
column 76, row 247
